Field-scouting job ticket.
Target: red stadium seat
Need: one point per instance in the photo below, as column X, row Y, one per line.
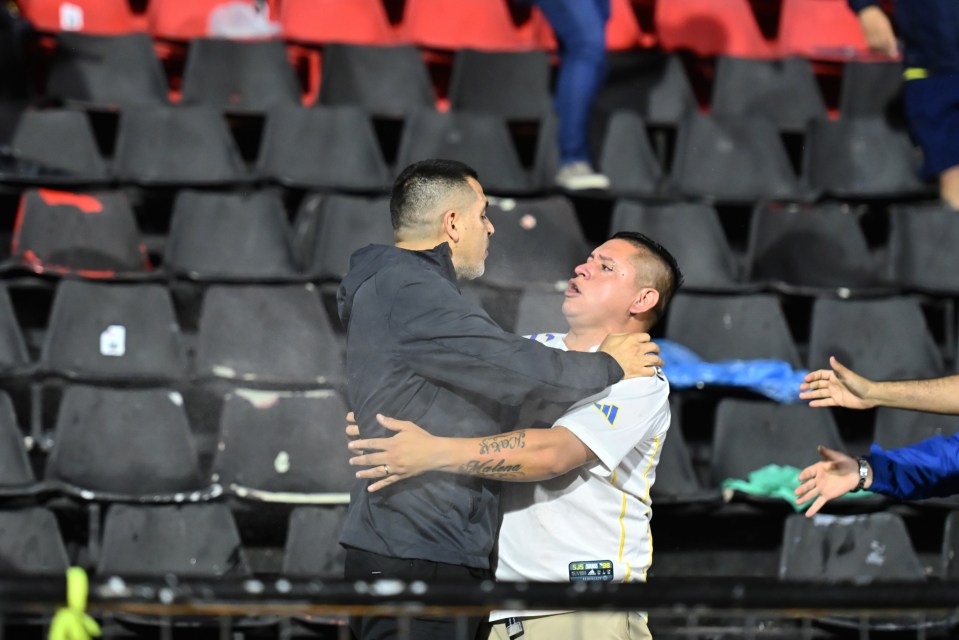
column 100, row 17
column 464, row 24
column 343, row 21
column 186, row 19
column 821, row 30
column 623, row 30
column 711, row 28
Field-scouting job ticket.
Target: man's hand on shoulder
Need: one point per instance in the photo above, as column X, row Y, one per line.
column 634, row 352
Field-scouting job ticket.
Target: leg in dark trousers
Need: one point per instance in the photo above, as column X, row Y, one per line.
column 366, row 566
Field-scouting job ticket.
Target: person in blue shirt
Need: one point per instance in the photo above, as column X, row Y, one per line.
column 927, row 469
column 930, row 54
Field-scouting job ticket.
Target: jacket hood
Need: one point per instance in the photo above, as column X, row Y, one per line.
column 374, row 258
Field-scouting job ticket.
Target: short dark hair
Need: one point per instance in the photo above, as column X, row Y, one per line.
column 673, row 279
column 421, row 186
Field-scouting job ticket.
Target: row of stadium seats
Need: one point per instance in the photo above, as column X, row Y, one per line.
column 247, row 236
column 721, row 157
column 821, row 29
column 282, row 447
column 197, row 541
column 131, row 334
column 250, row 77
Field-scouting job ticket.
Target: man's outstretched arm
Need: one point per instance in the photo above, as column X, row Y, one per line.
column 525, row 455
column 843, row 387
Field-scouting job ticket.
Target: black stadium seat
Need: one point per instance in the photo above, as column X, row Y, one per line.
column 323, row 148
column 107, row 72
column 386, row 81
column 230, row 237
column 113, row 333
column 87, row 234
column 294, row 343
column 176, row 146
column 239, row 76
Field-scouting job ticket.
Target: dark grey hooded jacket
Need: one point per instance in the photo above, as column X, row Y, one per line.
column 417, row 350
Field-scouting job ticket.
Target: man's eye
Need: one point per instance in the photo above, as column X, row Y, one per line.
column 606, row 267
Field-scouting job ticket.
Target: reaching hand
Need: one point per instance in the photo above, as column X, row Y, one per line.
column 839, row 387
column 404, row 455
column 836, row 475
column 634, row 352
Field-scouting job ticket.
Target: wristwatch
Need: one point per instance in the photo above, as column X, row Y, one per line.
column 863, row 473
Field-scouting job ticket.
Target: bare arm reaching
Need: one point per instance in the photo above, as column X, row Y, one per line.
column 525, row 455
column 842, row 387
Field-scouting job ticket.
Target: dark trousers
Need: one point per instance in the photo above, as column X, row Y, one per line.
column 366, row 566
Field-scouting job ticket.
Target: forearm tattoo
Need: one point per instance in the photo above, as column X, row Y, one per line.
column 491, row 468
column 496, row 444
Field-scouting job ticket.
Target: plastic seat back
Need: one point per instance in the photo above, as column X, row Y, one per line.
column 230, row 236
column 921, row 238
column 652, row 83
column 821, row 30
column 480, row 140
column 732, row 327
column 711, row 29
column 627, row 157
column 93, row 235
column 864, row 157
column 733, row 159
column 464, row 24
column 187, row 541
column 100, row 17
column 863, row 548
column 53, row 147
column 538, row 242
column 124, row 444
column 323, row 147
column 333, row 227
column 819, row 248
column 283, row 447
column 312, row 548
column 239, row 77
column 783, row 91
column 31, row 543
column 510, row 84
column 119, row 333
column 386, row 81
column 176, row 146
column 336, row 21
column 295, row 345
column 749, row 435
column 851, row 329
column 110, row 72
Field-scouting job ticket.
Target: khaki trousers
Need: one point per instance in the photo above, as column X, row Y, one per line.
column 578, row 625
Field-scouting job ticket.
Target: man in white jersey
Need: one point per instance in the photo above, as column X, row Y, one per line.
column 577, row 505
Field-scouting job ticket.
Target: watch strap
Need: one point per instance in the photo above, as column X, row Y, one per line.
column 863, row 473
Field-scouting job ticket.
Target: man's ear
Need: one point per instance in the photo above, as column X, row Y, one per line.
column 645, row 300
column 450, row 219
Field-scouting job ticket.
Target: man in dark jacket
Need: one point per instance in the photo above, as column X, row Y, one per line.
column 418, row 351
column 931, row 58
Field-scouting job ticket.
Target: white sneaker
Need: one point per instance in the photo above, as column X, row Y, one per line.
column 577, row 176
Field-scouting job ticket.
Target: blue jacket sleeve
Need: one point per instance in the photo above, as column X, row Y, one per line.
column 451, row 340
column 926, row 469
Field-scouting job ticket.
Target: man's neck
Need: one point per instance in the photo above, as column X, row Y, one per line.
column 585, row 339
